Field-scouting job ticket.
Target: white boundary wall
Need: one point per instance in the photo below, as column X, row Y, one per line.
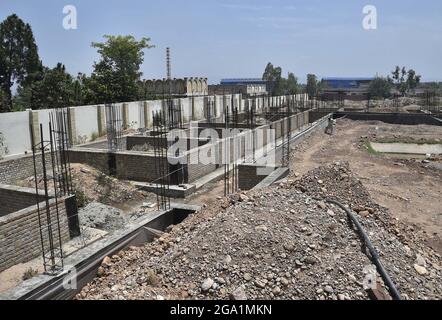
column 15, row 126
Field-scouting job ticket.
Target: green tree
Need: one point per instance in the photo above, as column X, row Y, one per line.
column 312, row 86
column 396, row 74
column 116, row 75
column 405, row 80
column 380, row 88
column 19, row 60
column 3, row 100
column 268, row 73
column 412, row 79
column 53, row 88
column 273, row 76
column 79, row 90
column 56, row 89
column 291, row 84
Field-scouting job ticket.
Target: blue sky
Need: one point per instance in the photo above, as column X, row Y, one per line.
column 232, row 38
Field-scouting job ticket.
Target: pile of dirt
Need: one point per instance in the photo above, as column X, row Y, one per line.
column 284, row 242
column 97, row 186
column 92, row 185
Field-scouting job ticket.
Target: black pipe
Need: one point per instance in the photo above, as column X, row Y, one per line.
column 374, row 255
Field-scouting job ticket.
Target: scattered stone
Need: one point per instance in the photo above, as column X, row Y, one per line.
column 100, row 272
column 107, row 262
column 227, row 259
column 207, row 284
column 364, row 213
column 328, row 289
column 421, row 270
column 420, row 260
column 238, row 294
column 276, row 291
column 260, row 283
column 261, row 228
column 284, row 282
column 310, row 260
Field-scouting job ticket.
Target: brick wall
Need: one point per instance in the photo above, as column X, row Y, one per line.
column 20, row 239
column 95, row 158
column 136, row 166
column 14, row 198
column 125, row 165
column 20, row 168
column 248, row 177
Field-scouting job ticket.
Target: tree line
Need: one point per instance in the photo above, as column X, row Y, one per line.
column 115, row 77
column 278, row 85
column 402, row 81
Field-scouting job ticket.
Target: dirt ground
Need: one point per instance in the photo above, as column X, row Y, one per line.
column 409, row 188
column 405, row 105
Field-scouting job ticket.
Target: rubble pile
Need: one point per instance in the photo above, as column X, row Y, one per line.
column 283, row 242
column 103, row 217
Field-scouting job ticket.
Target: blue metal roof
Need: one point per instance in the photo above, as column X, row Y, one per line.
column 345, row 83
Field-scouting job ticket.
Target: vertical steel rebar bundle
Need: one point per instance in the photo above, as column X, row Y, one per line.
column 163, row 122
column 162, row 180
column 430, row 101
column 61, row 144
column 231, row 151
column 52, row 158
column 368, row 102
column 114, row 126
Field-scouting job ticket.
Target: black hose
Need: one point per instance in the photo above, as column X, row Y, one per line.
column 374, row 255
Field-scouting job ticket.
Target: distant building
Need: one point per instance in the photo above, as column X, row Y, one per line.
column 346, row 88
column 178, row 87
column 248, row 87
